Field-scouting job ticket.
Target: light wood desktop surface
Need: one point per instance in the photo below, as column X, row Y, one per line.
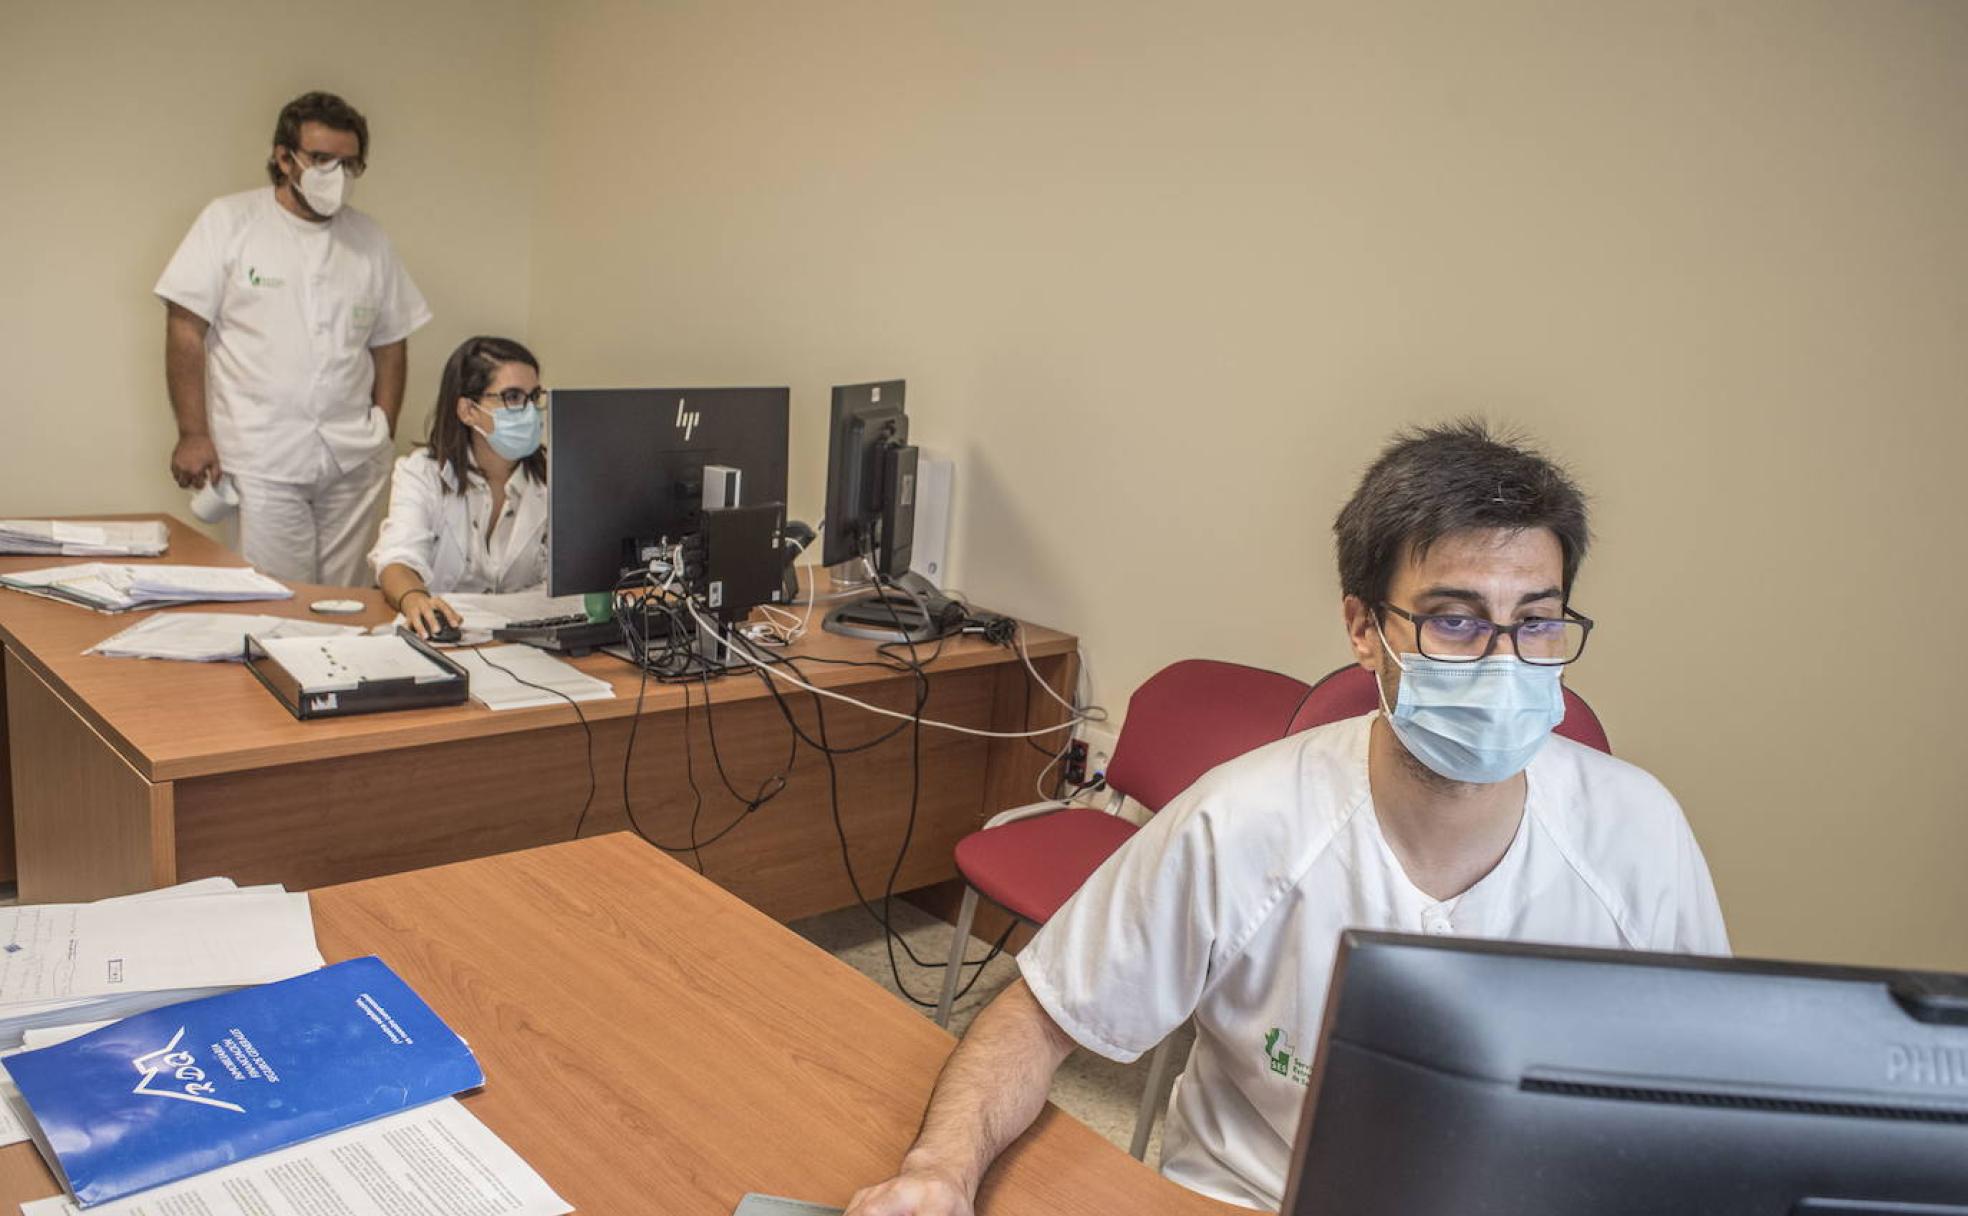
column 653, row 1045
column 128, row 774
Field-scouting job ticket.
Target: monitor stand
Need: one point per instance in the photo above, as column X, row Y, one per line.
column 892, row 616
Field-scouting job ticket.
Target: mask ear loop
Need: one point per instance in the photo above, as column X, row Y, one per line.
column 1380, row 688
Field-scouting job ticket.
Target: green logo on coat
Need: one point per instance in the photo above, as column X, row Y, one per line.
column 1285, row 1059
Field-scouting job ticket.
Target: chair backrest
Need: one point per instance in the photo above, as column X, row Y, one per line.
column 1190, row 717
column 1350, row 692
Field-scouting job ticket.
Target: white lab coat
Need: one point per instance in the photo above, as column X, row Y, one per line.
column 1228, row 906
column 293, row 308
column 442, row 534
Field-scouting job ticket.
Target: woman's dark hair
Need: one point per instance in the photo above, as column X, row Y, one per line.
column 1433, row 481
column 328, row 110
column 469, row 373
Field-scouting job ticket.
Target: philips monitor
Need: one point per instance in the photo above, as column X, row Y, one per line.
column 1498, row 1079
column 629, row 471
column 871, row 479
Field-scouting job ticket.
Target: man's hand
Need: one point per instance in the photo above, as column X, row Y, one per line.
column 992, row 1087
column 914, row 1192
column 195, row 461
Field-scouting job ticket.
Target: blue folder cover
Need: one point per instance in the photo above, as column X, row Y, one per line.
column 187, row 1088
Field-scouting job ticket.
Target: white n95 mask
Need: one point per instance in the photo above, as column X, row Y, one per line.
column 325, row 189
column 1477, row 722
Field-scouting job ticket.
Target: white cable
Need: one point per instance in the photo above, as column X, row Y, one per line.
column 1091, row 714
column 773, row 670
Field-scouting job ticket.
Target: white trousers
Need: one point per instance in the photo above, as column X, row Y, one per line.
column 316, row 532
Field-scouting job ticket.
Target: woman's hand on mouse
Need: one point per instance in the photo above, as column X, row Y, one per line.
column 426, row 614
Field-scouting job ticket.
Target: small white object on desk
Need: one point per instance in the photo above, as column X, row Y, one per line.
column 336, row 607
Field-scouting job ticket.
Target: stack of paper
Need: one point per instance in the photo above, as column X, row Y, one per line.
column 114, row 588
column 289, row 1066
column 208, row 637
column 84, row 537
column 66, row 963
column 517, row 676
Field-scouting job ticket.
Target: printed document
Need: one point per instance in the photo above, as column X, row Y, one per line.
column 436, row 1160
column 517, row 676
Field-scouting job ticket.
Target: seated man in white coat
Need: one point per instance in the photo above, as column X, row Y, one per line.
column 1453, row 810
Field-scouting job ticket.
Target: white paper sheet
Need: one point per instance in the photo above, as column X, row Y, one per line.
column 436, row 1160
column 203, row 583
column 13, row 1108
column 110, row 587
column 53, row 952
column 342, row 663
column 497, row 689
column 208, row 637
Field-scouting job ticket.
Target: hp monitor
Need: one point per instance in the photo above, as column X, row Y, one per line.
column 1500, row 1079
column 629, row 471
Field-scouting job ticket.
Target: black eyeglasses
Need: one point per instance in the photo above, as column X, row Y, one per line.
column 353, row 165
column 1454, row 637
column 515, row 398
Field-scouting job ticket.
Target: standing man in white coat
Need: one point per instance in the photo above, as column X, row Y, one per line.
column 286, row 347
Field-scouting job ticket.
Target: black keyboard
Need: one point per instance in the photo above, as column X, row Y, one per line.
column 568, row 635
column 548, row 622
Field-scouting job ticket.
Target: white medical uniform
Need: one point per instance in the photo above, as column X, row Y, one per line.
column 294, row 308
column 451, row 540
column 1228, row 906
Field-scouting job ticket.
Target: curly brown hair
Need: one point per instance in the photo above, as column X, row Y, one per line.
column 325, row 108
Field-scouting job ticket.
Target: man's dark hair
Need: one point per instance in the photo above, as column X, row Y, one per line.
column 1433, row 481
column 325, row 108
column 468, row 373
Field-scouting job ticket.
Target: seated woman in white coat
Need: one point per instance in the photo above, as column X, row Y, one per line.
column 468, row 510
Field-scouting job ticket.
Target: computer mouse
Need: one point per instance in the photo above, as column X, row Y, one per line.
column 448, row 635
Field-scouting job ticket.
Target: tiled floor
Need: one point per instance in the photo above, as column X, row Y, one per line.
column 1099, row 1093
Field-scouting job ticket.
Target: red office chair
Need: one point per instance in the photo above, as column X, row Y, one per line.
column 1188, row 718
column 1349, row 692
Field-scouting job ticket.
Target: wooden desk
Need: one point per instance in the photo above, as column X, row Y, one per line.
column 129, row 774
column 652, row 1045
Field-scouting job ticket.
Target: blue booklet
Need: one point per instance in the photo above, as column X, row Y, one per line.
column 187, row 1088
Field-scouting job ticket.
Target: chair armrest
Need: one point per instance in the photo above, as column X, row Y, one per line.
column 1033, row 809
column 1028, row 811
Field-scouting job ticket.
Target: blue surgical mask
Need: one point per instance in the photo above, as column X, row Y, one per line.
column 1477, row 722
column 515, row 434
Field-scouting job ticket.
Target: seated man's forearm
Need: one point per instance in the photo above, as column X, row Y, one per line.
column 993, row 1087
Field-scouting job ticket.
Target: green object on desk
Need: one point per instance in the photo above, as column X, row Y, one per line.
column 600, row 605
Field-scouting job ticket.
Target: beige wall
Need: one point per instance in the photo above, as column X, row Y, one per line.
column 1162, row 276
column 122, row 120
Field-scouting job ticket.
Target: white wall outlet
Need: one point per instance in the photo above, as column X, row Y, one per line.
column 1100, row 747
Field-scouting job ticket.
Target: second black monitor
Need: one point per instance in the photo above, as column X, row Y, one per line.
column 628, row 465
column 871, row 478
